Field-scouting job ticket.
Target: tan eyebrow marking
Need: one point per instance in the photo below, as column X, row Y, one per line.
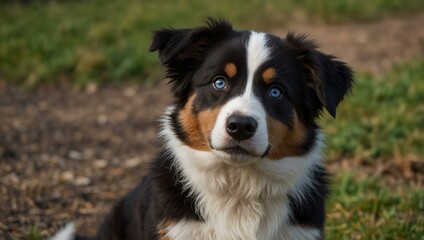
column 269, row 75
column 230, row 69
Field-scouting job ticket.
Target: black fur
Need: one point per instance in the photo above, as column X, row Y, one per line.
column 159, row 196
column 330, row 79
column 310, row 211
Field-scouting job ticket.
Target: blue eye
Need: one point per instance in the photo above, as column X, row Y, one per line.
column 275, row 92
column 219, row 83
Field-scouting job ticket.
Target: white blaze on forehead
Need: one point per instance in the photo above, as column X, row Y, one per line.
column 247, row 104
column 257, row 54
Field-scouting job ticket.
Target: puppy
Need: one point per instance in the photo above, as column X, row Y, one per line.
column 241, row 157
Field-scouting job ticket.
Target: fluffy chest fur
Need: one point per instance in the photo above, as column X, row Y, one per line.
column 203, row 231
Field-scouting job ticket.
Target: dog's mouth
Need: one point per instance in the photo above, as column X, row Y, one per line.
column 237, row 152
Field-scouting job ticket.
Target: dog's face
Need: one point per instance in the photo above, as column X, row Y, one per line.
column 245, row 96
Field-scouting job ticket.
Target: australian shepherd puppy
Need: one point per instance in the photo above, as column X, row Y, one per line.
column 241, row 157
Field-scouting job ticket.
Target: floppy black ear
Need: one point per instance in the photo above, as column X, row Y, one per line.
column 173, row 43
column 183, row 50
column 330, row 79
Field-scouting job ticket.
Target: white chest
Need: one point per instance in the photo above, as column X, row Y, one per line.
column 184, row 230
column 246, row 202
column 248, row 220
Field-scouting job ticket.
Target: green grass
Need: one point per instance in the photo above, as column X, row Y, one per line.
column 34, row 234
column 107, row 41
column 366, row 208
column 382, row 120
column 341, row 11
column 384, row 117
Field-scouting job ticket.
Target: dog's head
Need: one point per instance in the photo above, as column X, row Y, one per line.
column 244, row 95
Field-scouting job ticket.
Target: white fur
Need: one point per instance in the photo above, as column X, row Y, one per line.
column 67, row 233
column 257, row 54
column 196, row 231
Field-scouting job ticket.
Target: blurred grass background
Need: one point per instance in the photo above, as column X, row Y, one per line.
column 384, row 117
column 44, row 42
column 85, row 41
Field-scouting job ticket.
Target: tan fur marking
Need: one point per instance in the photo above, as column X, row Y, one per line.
column 198, row 127
column 207, row 120
column 190, row 124
column 162, row 229
column 269, row 75
column 230, row 69
column 285, row 142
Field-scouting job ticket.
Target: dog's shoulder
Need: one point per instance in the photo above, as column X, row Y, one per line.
column 158, row 200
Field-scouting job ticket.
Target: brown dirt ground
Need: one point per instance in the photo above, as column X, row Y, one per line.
column 67, row 155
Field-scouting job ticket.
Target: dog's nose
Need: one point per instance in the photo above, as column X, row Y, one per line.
column 241, row 127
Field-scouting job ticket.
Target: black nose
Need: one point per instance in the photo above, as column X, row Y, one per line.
column 241, row 127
